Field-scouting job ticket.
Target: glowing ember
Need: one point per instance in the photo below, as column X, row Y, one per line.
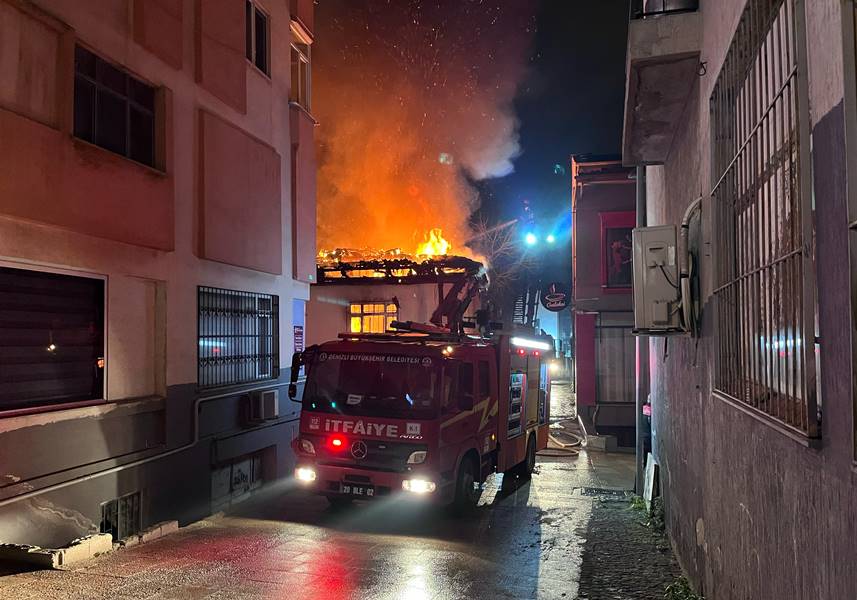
column 434, row 245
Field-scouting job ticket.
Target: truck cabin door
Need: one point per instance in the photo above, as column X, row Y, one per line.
column 456, row 407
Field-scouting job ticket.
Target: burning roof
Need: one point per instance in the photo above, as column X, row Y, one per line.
column 431, row 263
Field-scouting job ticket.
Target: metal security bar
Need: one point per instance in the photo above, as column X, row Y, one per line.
column 762, row 203
column 641, row 9
column 238, row 337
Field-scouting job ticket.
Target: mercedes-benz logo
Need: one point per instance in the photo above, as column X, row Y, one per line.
column 359, row 449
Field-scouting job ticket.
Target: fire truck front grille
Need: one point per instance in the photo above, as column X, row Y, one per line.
column 380, row 455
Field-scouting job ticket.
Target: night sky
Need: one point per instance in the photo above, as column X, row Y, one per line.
column 425, row 101
column 571, row 102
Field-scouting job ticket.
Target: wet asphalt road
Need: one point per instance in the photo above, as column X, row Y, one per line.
column 523, row 542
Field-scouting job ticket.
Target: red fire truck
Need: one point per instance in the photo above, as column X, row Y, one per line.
column 421, row 412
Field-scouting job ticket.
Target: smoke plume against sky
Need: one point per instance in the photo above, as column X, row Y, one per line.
column 414, row 99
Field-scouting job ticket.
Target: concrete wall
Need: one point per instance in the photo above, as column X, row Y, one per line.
column 69, row 206
column 752, row 512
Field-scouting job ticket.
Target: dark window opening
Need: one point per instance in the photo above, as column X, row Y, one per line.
column 51, row 338
column 113, row 109
column 238, row 337
column 484, row 380
column 256, row 41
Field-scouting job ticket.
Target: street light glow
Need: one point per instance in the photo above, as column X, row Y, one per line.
column 531, row 239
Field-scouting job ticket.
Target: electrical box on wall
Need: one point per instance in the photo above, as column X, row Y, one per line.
column 657, row 298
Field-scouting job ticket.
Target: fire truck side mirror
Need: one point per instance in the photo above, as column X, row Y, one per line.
column 297, row 363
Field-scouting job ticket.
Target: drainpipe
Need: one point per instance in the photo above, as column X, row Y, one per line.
column 642, row 356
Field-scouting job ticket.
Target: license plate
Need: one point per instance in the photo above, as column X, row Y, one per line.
column 353, row 489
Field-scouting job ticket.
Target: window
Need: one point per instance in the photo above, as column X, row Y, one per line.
column 112, row 109
column 257, row 37
column 617, row 271
column 484, row 380
column 301, row 76
column 238, row 337
column 121, row 517
column 52, row 346
column 763, row 218
column 374, row 317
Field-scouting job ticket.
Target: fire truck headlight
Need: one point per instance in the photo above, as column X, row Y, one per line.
column 418, row 486
column 307, row 447
column 305, row 474
column 417, row 458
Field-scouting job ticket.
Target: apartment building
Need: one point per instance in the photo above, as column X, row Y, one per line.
column 157, row 243
column 750, row 108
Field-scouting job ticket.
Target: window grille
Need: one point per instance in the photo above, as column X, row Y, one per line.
column 373, row 317
column 51, row 338
column 238, row 337
column 762, row 204
column 113, row 109
column 121, row 517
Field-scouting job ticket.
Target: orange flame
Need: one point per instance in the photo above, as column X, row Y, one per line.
column 434, row 244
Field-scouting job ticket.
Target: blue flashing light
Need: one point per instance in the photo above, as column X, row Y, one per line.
column 550, row 239
column 530, row 239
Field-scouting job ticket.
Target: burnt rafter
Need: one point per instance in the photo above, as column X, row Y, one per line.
column 397, row 270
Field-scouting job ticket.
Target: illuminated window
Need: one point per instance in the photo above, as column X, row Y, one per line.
column 256, row 36
column 113, row 109
column 371, row 317
column 300, row 91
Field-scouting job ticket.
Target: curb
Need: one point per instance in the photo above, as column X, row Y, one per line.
column 54, row 558
column 81, row 549
column 150, row 534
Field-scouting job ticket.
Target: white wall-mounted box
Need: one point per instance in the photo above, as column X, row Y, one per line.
column 657, row 299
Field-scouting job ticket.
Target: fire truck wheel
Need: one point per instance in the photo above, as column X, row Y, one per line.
column 530, row 461
column 467, row 491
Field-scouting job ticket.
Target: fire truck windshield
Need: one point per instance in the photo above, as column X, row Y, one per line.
column 377, row 386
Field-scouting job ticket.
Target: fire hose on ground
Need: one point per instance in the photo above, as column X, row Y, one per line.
column 563, row 448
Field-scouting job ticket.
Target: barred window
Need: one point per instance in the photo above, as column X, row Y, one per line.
column 373, row 317
column 763, row 219
column 238, row 337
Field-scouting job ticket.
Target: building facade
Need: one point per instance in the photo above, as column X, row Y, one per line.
column 157, row 242
column 603, row 204
column 749, row 107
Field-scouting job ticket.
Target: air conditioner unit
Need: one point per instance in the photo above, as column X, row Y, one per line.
column 657, row 284
column 264, row 405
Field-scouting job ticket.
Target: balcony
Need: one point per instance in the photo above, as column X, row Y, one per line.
column 664, row 39
column 302, row 13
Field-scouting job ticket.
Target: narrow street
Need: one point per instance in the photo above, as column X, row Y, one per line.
column 533, row 540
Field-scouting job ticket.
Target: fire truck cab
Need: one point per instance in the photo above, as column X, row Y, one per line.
column 420, row 413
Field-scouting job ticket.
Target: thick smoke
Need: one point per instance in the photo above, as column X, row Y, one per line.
column 414, row 100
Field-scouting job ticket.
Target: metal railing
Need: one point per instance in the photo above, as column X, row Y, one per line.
column 763, row 219
column 642, row 9
column 238, row 337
